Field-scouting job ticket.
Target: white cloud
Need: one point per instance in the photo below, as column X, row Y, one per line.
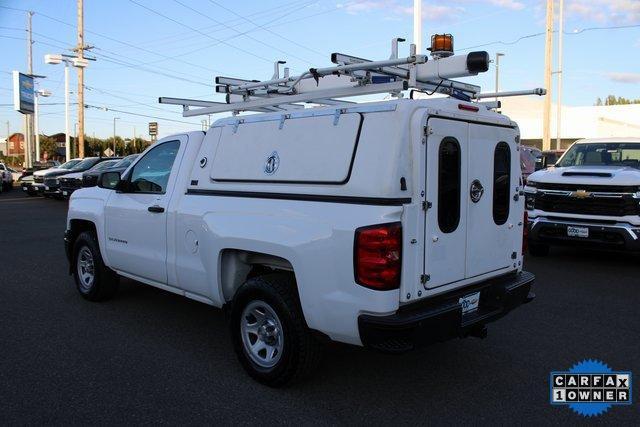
column 626, row 11
column 508, row 4
column 624, row 77
column 402, row 8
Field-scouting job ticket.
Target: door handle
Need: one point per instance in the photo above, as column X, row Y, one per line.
column 155, row 209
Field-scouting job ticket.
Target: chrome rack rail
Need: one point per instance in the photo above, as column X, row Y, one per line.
column 351, row 76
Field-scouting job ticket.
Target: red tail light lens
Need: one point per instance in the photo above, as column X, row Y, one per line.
column 377, row 256
column 525, row 232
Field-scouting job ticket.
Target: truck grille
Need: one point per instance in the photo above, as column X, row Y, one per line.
column 38, row 178
column 51, row 182
column 607, row 206
column 90, row 180
column 71, row 183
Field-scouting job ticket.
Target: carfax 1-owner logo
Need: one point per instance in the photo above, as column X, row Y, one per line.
column 590, row 388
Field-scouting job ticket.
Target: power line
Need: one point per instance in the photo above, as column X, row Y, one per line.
column 138, row 114
column 112, row 39
column 569, row 33
column 238, row 31
column 208, row 46
column 265, row 12
column 201, row 32
column 265, row 28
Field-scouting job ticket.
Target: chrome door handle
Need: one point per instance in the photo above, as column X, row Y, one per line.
column 155, row 209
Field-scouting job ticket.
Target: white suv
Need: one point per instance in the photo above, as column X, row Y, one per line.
column 590, row 197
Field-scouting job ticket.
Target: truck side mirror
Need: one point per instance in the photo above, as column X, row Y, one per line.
column 109, row 180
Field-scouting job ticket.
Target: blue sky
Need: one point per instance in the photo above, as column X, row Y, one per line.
column 146, row 49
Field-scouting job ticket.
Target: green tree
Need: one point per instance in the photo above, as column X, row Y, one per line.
column 613, row 100
column 49, row 146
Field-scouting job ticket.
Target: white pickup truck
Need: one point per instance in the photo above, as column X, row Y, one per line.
column 590, row 197
column 388, row 225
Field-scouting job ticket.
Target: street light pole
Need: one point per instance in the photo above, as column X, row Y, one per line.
column 114, row 134
column 498, row 55
column 36, row 124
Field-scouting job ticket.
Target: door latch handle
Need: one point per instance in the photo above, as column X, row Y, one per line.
column 155, row 209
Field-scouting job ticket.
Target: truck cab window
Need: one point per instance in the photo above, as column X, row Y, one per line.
column 501, row 182
column 449, row 185
column 151, row 173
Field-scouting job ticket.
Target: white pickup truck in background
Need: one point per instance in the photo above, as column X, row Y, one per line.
column 388, row 225
column 591, row 197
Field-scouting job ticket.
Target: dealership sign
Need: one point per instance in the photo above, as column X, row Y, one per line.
column 23, row 93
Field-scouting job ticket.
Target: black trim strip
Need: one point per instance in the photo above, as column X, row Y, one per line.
column 471, row 121
column 355, row 200
column 281, row 181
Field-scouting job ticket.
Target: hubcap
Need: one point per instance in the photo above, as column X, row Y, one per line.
column 86, row 271
column 262, row 335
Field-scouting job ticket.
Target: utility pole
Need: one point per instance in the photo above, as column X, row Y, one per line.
column 67, row 139
column 29, row 117
column 80, row 52
column 114, row 135
column 548, row 59
column 560, row 36
column 417, row 25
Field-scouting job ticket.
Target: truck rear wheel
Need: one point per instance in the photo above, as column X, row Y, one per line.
column 94, row 280
column 269, row 333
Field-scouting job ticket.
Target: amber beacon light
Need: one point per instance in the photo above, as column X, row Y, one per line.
column 441, row 45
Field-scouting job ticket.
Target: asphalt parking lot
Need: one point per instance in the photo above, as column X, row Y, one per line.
column 149, row 356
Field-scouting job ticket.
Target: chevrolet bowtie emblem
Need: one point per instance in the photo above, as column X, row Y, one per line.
column 581, row 194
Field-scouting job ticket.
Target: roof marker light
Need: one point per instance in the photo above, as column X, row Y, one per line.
column 468, row 107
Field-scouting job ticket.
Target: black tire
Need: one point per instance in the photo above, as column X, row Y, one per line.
column 104, row 282
column 538, row 249
column 301, row 352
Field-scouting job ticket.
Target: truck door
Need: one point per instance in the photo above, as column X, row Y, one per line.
column 446, row 195
column 493, row 231
column 136, row 218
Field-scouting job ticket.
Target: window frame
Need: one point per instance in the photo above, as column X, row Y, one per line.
column 450, row 228
column 131, row 168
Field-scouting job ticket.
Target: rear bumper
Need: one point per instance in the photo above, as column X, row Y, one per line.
column 620, row 236
column 441, row 319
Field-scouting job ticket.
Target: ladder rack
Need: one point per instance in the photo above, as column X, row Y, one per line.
column 351, row 76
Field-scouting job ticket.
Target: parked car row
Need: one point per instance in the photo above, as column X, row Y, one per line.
column 62, row 180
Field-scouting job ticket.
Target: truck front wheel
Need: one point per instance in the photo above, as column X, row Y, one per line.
column 94, row 280
column 269, row 333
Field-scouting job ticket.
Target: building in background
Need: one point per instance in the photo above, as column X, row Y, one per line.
column 597, row 121
column 15, row 145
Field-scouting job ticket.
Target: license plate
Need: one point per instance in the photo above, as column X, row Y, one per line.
column 46, row 187
column 470, row 302
column 582, row 232
column 64, row 193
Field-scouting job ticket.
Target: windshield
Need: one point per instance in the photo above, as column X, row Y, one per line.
column 104, row 165
column 85, row 164
column 126, row 161
column 69, row 164
column 602, row 154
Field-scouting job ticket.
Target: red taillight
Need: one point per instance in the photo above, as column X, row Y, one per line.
column 467, row 107
column 525, row 232
column 377, row 256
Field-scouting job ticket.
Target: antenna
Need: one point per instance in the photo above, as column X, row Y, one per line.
column 350, row 76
